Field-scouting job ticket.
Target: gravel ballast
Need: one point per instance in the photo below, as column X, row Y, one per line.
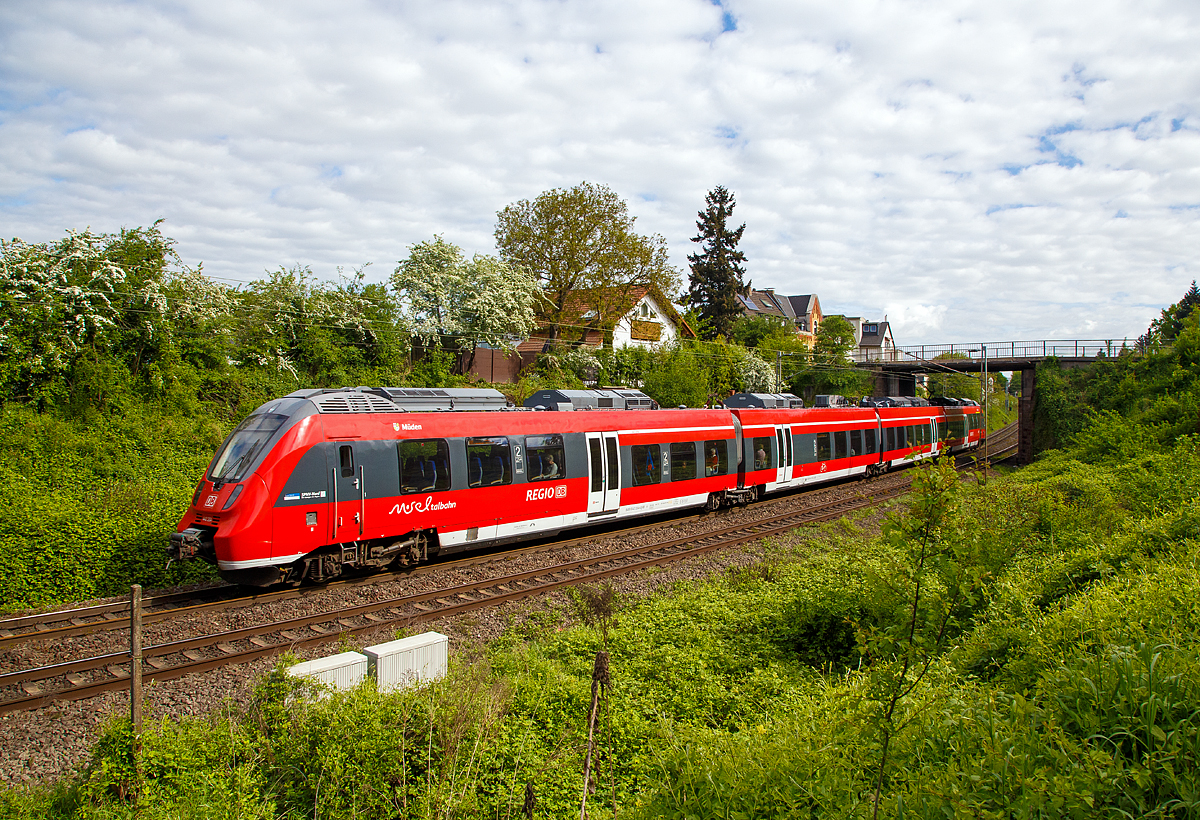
column 57, row 740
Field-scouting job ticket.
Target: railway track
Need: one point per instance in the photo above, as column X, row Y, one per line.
column 70, row 623
column 113, row 616
column 73, row 680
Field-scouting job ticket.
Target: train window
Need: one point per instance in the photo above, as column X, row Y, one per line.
column 789, row 448
column 856, row 445
column 614, row 462
column 647, row 463
column 489, row 462
column 779, row 440
column 424, row 465
column 716, row 458
column 824, row 446
column 841, row 443
column 762, row 452
column 545, row 457
column 683, row 461
column 869, row 441
column 346, row 460
column 805, row 448
column 597, row 465
column 239, row 453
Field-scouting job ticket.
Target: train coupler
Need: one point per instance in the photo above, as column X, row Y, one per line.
column 191, row 543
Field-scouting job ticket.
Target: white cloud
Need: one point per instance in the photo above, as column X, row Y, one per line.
column 973, row 170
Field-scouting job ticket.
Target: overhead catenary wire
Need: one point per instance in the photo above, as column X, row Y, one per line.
column 248, row 311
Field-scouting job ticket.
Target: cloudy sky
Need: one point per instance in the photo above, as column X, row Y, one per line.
column 973, row 170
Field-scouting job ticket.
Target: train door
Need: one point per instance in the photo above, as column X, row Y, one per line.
column 349, row 496
column 783, row 439
column 612, row 473
column 604, row 473
column 739, row 448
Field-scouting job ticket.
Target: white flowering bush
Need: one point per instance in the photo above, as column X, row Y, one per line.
column 756, row 374
column 451, row 301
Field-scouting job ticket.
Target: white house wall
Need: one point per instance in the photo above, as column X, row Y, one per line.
column 623, row 331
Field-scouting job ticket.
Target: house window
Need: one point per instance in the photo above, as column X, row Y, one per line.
column 872, row 328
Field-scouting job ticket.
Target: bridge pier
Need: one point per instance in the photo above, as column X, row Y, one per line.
column 1025, row 410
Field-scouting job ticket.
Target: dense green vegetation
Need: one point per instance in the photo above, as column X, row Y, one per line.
column 1025, row 646
column 122, row 368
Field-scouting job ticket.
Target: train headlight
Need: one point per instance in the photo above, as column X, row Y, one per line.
column 233, row 497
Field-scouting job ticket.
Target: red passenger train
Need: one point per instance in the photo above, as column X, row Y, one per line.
column 324, row 481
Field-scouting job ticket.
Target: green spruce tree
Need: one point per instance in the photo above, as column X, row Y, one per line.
column 716, row 277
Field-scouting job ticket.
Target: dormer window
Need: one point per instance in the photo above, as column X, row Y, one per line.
column 872, row 328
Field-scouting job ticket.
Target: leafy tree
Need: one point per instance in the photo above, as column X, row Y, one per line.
column 947, row 383
column 830, row 369
column 581, row 245
column 750, row 331
column 88, row 318
column 835, row 340
column 716, row 278
column 455, row 303
column 678, row 378
column 1168, row 326
column 314, row 332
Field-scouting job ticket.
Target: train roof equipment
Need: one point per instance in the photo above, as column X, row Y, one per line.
column 599, row 399
column 831, row 400
column 770, row 400
column 402, row 399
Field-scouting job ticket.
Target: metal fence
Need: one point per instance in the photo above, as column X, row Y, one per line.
column 1066, row 349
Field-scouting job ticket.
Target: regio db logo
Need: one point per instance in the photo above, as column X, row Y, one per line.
column 543, row 493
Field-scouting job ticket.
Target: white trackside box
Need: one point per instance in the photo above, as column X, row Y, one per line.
column 409, row 660
column 343, row 671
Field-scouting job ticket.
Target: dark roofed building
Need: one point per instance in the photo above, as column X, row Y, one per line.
column 803, row 311
column 876, row 342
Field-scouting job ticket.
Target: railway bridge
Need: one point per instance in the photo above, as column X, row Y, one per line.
column 896, row 369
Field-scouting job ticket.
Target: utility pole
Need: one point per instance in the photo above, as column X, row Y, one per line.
column 985, row 409
column 778, row 371
column 135, row 673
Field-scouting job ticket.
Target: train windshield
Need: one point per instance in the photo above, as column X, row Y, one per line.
column 243, row 446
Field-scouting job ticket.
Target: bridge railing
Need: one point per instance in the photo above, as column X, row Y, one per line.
column 1064, row 349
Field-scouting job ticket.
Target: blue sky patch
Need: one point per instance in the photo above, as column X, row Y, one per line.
column 728, row 21
column 1013, row 207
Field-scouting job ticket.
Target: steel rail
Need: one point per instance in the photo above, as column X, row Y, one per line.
column 410, row 609
column 114, row 616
